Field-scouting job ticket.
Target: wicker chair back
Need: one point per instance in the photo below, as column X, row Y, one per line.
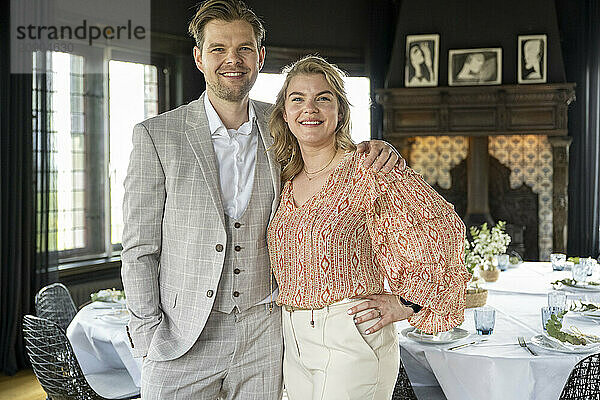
column 54, row 302
column 403, row 389
column 54, row 362
column 584, row 380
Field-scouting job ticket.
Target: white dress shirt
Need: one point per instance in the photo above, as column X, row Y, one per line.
column 236, row 158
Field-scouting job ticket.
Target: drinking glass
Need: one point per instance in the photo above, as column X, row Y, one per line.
column 485, row 319
column 558, row 261
column 547, row 312
column 502, row 260
column 592, row 297
column 557, row 298
column 589, row 264
column 579, row 272
column 569, row 265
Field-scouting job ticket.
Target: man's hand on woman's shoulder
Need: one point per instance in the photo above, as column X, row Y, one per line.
column 381, row 155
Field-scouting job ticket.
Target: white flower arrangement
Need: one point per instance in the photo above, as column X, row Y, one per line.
column 485, row 245
column 109, row 295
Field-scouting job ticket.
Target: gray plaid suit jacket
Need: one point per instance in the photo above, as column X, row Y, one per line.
column 174, row 230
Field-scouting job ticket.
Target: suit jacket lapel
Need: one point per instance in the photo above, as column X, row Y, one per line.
column 265, row 135
column 198, row 135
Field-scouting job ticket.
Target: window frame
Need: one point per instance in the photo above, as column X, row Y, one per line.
column 97, row 204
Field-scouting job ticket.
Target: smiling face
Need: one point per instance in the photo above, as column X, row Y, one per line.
column 311, row 110
column 229, row 59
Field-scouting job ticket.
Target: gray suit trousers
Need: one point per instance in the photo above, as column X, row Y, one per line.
column 238, row 356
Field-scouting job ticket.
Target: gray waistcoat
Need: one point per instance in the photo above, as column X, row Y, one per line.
column 246, row 271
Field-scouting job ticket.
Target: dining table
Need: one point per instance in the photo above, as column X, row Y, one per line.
column 99, row 340
column 496, row 366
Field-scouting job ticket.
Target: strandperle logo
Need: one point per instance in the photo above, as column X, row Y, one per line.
column 82, row 32
column 91, row 29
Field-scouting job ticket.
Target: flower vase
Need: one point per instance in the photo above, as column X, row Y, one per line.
column 475, row 297
column 490, row 275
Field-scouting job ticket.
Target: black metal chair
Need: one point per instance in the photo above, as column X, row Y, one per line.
column 54, row 362
column 54, row 302
column 403, row 389
column 584, row 380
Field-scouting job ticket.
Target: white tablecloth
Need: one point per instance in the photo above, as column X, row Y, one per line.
column 102, row 349
column 500, row 369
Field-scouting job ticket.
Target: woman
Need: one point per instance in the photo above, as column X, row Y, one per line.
column 472, row 68
column 340, row 230
column 420, row 67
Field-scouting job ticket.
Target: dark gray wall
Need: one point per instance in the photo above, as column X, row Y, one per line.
column 363, row 27
column 464, row 24
column 307, row 23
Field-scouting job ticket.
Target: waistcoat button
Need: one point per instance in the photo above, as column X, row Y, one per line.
column 238, row 248
column 209, row 293
column 236, row 271
column 219, row 247
column 236, row 294
column 237, row 224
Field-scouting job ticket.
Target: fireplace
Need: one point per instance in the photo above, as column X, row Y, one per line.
column 496, row 153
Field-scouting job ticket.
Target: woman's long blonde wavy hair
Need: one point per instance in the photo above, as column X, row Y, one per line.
column 285, row 145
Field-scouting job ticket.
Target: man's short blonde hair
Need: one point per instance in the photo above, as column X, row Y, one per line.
column 225, row 10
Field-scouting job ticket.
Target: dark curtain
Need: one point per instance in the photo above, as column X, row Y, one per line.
column 25, row 256
column 579, row 22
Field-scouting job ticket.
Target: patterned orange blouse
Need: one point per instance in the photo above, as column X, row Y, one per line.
column 363, row 227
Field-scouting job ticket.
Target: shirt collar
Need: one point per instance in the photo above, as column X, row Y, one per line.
column 216, row 126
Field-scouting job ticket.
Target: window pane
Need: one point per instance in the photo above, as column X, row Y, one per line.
column 65, row 112
column 357, row 88
column 133, row 97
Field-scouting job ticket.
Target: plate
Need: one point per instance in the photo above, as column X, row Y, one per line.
column 591, row 314
column 580, row 287
column 439, row 338
column 120, row 318
column 585, row 314
column 107, row 305
column 547, row 343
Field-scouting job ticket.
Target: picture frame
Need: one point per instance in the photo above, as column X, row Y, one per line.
column 422, row 60
column 532, row 59
column 474, row 67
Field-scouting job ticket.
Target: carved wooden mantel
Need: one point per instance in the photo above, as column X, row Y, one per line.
column 479, row 112
column 476, row 111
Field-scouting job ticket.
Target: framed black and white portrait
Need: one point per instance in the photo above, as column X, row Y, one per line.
column 532, row 59
column 422, row 60
column 468, row 67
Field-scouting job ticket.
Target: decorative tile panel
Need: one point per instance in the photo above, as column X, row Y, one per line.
column 529, row 157
column 434, row 157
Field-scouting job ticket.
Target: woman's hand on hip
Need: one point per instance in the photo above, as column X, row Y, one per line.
column 384, row 308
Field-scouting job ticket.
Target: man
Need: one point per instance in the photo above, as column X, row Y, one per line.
column 199, row 194
column 533, row 57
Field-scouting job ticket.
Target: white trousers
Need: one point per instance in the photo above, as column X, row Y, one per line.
column 335, row 359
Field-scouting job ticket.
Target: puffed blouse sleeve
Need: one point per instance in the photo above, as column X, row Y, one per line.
column 418, row 240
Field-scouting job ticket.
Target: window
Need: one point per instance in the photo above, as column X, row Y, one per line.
column 357, row 88
column 133, row 97
column 65, row 120
column 89, row 119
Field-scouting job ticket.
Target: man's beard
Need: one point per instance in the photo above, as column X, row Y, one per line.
column 231, row 94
